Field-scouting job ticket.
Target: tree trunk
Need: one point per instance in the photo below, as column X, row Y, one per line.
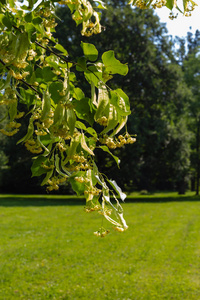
column 198, row 158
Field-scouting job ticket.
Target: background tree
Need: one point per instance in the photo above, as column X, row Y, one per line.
column 191, row 68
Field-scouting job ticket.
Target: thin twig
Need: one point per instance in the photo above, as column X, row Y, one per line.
column 56, row 54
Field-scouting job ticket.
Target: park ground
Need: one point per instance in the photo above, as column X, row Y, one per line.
column 48, row 250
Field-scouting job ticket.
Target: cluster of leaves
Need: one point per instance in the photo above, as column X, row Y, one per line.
column 61, row 132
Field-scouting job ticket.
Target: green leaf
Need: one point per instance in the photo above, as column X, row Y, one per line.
column 122, row 123
column 36, row 168
column 13, row 110
column 120, row 101
column 47, row 177
column 48, row 75
column 54, row 89
column 59, row 113
column 85, row 146
column 91, row 131
column 112, row 65
column 5, row 83
column 170, row 4
column 11, row 3
column 29, row 132
column 72, row 148
column 46, row 106
column 89, row 51
column 80, row 125
column 84, row 110
column 5, row 21
column 117, row 189
column 113, row 119
column 37, row 21
column 31, row 30
column 106, row 149
column 78, row 187
column 81, row 64
column 71, row 120
column 31, row 3
column 103, row 103
column 93, row 75
column 61, row 49
column 28, row 96
column 57, row 165
column 28, row 17
column 101, row 4
column 78, row 93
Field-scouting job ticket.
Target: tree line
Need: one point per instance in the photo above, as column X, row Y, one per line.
column 163, row 88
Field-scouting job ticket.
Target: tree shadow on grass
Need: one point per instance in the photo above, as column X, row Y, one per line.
column 157, row 199
column 40, row 200
column 60, row 200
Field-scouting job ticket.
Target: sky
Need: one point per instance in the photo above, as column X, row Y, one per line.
column 181, row 25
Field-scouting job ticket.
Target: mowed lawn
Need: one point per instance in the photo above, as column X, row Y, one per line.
column 48, row 251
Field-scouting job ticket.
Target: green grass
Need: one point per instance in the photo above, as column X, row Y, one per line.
column 48, row 250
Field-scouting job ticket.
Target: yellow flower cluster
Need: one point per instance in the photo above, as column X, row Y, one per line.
column 172, row 16
column 106, row 211
column 9, row 57
column 20, row 115
column 33, row 146
column 142, row 4
column 18, row 75
column 103, row 121
column 79, row 158
column 43, row 126
column 31, row 54
column 50, row 167
column 101, row 233
column 77, row 167
column 62, row 132
column 9, row 133
column 89, row 209
column 62, row 146
column 189, row 8
column 9, row 97
column 159, row 3
column 119, row 142
column 79, row 179
column 92, row 190
column 54, row 183
column 49, row 23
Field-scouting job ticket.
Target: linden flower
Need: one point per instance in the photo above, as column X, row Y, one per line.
column 97, row 233
column 101, row 233
column 120, row 229
column 103, row 121
column 79, row 179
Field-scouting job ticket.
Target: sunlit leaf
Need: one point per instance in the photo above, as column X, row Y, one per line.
column 89, row 51
column 112, row 65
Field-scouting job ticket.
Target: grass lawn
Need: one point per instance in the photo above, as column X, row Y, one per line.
column 48, row 250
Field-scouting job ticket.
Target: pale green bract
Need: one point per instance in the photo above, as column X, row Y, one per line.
column 35, row 71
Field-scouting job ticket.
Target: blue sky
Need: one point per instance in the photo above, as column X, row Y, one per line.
column 181, row 25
